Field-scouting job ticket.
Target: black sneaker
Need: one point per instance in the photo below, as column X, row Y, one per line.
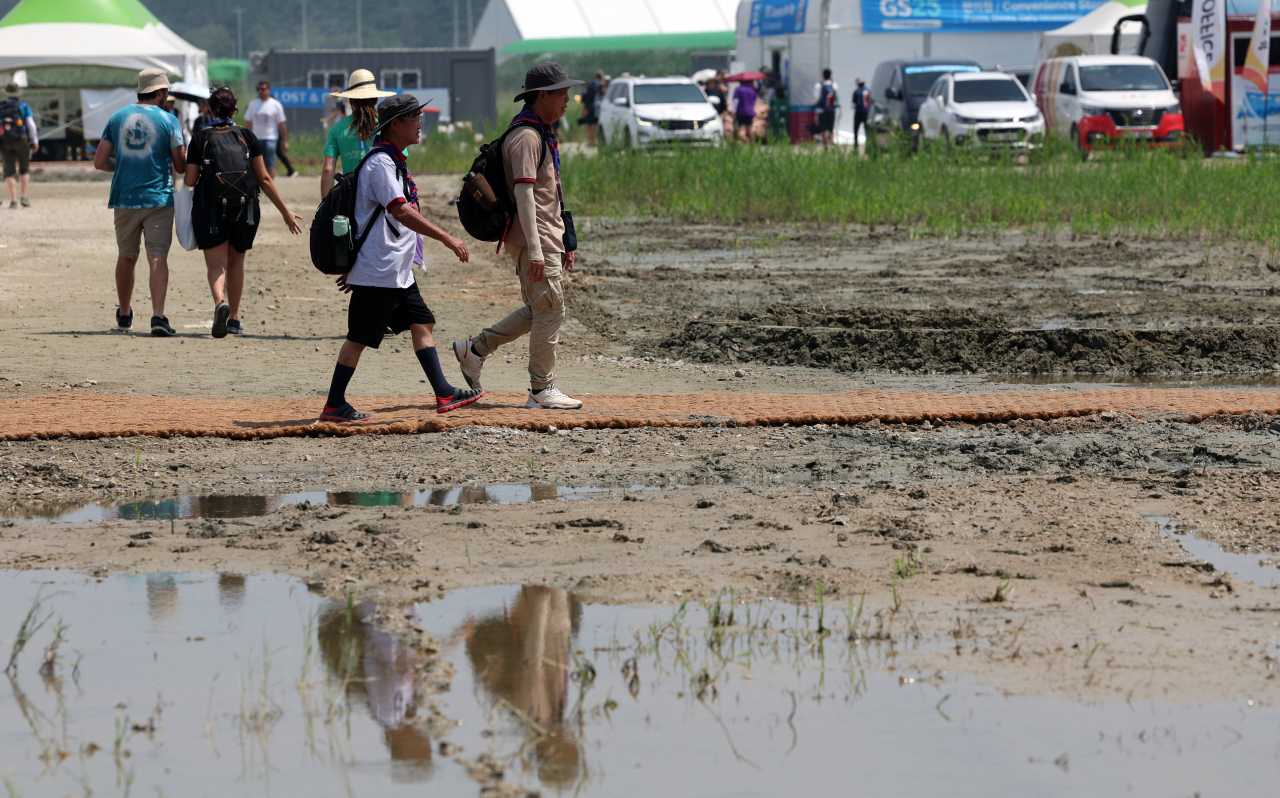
column 220, row 316
column 233, row 327
column 160, row 327
column 343, row 414
column 124, row 323
column 461, row 398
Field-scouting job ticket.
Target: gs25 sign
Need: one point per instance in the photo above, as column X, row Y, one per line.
column 922, row 16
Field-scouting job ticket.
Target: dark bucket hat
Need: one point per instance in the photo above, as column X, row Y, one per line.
column 546, row 77
column 397, row 106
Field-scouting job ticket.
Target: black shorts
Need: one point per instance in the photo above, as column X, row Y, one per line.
column 373, row 309
column 238, row 231
column 826, row 121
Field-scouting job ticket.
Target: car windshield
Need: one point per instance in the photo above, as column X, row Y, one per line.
column 988, row 91
column 652, row 93
column 1122, row 77
column 920, row 79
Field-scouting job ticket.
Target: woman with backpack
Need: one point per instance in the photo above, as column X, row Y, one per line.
column 225, row 169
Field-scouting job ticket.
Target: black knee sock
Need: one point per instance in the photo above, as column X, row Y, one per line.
column 338, row 388
column 431, row 365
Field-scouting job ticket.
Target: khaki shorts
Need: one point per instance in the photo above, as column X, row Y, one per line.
column 155, row 225
column 17, row 156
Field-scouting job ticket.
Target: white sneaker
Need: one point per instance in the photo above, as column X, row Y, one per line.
column 469, row 362
column 551, row 399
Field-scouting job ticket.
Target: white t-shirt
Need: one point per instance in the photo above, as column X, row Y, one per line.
column 817, row 93
column 385, row 260
column 266, row 118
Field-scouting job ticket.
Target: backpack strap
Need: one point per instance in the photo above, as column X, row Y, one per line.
column 526, row 123
column 402, row 172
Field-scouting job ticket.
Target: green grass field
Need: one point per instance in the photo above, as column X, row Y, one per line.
column 1144, row 193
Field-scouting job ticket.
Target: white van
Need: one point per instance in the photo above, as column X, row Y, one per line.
column 1101, row 100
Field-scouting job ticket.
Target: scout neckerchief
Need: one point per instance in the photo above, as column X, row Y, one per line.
column 380, row 143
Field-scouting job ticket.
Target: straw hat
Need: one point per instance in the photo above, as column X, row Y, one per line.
column 362, row 86
column 12, row 90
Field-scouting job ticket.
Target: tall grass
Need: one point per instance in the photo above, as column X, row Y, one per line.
column 1140, row 192
column 438, row 153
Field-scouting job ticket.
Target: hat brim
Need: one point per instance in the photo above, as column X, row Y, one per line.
column 564, row 84
column 362, row 93
column 407, row 112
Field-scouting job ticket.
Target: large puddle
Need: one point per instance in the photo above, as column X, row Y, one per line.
column 253, row 686
column 248, row 506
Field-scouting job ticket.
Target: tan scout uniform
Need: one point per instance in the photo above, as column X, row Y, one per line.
column 543, row 310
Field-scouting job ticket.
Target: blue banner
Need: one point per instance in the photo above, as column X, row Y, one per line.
column 777, row 17
column 973, row 16
column 299, row 98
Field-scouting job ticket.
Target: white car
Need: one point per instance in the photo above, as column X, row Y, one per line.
column 641, row 112
column 1102, row 100
column 981, row 109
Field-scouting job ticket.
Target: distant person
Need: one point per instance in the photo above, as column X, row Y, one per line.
column 716, row 89
column 744, row 110
column 265, row 119
column 535, row 241
column 604, row 88
column 204, row 119
column 225, row 214
column 142, row 147
column 75, row 137
column 590, row 118
column 19, row 140
column 351, row 137
column 861, row 109
column 383, row 292
column 825, row 101
column 336, row 108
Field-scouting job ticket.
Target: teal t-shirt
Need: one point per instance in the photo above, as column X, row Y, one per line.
column 342, row 143
column 142, row 137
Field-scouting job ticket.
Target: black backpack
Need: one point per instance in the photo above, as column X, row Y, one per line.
column 336, row 254
column 491, row 225
column 227, row 185
column 12, row 125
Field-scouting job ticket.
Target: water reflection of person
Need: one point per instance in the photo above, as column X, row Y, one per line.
column 231, row 591
column 522, row 656
column 377, row 666
column 162, row 600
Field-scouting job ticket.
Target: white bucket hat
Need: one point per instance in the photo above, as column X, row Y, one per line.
column 362, row 86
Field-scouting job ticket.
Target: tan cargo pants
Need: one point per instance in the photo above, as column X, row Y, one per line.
column 540, row 317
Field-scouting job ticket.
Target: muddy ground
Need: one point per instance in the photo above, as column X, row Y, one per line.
column 1054, row 511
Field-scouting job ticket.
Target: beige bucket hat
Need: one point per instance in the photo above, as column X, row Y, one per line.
column 150, row 80
column 362, row 86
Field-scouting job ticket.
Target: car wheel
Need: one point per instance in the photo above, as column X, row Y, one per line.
column 626, row 139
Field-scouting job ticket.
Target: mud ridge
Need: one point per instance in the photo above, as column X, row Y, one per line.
column 1065, row 351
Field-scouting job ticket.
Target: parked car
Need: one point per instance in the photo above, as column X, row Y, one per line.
column 981, row 109
column 900, row 87
column 1099, row 100
column 640, row 112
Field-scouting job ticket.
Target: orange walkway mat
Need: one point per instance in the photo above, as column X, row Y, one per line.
column 92, row 415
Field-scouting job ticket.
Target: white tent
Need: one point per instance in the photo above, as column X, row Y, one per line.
column 512, row 27
column 109, row 33
column 1091, row 34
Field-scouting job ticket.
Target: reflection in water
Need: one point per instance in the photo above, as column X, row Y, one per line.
column 377, row 666
column 231, row 591
column 223, row 506
column 522, row 657
column 162, row 600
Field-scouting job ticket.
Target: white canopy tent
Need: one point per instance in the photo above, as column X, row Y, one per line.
column 106, row 33
column 1091, row 34
column 513, row 27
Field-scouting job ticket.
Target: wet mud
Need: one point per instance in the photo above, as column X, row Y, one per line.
column 996, row 351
